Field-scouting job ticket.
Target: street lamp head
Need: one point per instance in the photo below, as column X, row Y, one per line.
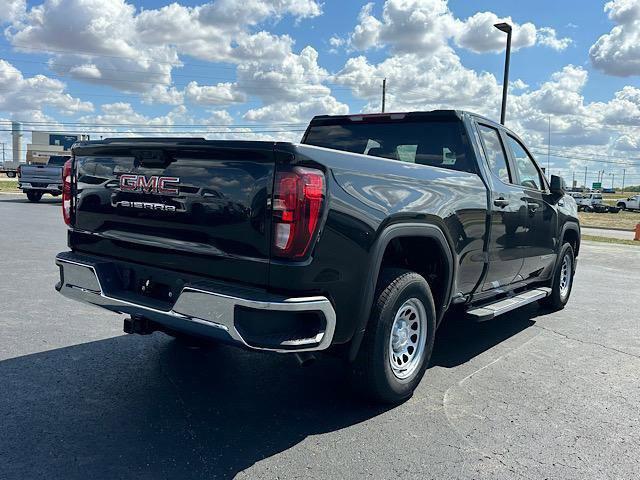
column 504, row 27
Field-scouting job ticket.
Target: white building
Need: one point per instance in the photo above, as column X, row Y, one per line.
column 45, row 144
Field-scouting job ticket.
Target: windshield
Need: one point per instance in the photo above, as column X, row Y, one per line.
column 438, row 143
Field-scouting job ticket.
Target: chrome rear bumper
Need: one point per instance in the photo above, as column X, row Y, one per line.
column 201, row 308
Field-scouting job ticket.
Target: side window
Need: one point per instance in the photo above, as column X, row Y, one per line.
column 527, row 171
column 495, row 153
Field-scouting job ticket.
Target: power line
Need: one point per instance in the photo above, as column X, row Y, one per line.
column 147, row 125
column 582, row 159
column 242, row 132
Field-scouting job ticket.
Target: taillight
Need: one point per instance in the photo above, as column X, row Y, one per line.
column 19, row 171
column 66, row 192
column 298, row 199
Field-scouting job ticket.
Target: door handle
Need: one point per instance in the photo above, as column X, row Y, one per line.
column 501, row 202
column 533, row 206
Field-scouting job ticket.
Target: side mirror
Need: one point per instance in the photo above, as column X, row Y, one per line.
column 557, row 185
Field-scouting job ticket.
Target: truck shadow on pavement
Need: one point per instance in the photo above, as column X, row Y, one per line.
column 132, row 407
column 458, row 341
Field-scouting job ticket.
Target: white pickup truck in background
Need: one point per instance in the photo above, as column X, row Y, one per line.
column 631, row 203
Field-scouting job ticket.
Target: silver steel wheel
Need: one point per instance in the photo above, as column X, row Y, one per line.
column 566, row 271
column 408, row 338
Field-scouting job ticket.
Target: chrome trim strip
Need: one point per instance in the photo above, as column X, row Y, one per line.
column 193, row 304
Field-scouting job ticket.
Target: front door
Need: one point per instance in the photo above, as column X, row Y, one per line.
column 541, row 234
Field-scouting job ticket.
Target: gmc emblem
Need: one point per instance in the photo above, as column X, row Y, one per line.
column 154, row 184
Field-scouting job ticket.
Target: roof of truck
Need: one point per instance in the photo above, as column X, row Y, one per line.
column 453, row 114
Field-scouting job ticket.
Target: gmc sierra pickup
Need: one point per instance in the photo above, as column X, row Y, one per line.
column 36, row 180
column 356, row 241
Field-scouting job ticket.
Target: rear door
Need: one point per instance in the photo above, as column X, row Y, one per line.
column 505, row 246
column 539, row 242
column 196, row 206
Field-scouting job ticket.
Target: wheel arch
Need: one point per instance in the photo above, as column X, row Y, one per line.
column 399, row 232
column 570, row 233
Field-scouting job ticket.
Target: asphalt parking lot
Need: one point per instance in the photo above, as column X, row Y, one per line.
column 532, row 395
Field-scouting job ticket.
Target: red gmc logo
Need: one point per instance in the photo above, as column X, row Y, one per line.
column 153, row 184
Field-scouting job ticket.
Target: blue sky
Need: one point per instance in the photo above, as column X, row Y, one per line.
column 218, row 66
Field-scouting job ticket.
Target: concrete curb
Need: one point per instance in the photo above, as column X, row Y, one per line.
column 611, row 228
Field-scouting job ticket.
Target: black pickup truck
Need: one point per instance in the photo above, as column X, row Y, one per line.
column 356, row 241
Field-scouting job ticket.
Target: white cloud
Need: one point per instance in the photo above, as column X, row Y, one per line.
column 11, row 10
column 547, row 36
column 133, row 51
column 220, row 94
column 291, row 90
column 297, row 111
column 406, row 25
column 219, row 117
column 623, row 109
column 628, row 143
column 425, row 26
column 417, row 82
column 20, row 95
column 618, row 52
column 478, row 34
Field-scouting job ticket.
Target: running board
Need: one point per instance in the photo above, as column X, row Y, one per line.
column 487, row 312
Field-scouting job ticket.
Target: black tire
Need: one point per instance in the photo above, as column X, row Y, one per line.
column 588, row 209
column 11, row 174
column 559, row 296
column 372, row 371
column 34, row 196
column 622, row 205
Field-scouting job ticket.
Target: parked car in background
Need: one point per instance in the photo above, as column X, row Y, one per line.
column 36, row 180
column 355, row 241
column 631, row 203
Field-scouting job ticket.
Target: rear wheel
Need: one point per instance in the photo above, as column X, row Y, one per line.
column 11, row 174
column 34, row 196
column 622, row 205
column 399, row 338
column 562, row 280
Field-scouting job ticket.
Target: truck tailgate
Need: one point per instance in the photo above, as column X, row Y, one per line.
column 192, row 205
column 44, row 174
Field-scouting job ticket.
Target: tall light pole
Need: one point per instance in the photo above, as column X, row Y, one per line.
column 384, row 93
column 506, row 28
column 624, row 172
column 549, row 147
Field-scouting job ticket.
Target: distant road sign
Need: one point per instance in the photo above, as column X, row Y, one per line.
column 596, row 186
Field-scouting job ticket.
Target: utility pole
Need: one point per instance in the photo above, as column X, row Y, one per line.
column 573, row 182
column 549, row 148
column 585, row 176
column 3, row 153
column 613, row 177
column 384, row 92
column 624, row 172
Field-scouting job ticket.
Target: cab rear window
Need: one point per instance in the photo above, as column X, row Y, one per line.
column 437, row 143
